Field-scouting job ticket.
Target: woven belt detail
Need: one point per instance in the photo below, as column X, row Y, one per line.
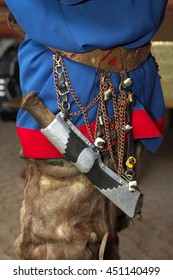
column 114, row 60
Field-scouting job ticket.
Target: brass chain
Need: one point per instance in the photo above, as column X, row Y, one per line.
column 56, row 63
column 119, row 107
column 105, row 84
column 121, row 122
column 83, row 110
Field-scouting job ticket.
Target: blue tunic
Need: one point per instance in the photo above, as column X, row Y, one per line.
column 82, row 26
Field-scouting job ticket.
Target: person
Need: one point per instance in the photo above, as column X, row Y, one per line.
column 91, row 60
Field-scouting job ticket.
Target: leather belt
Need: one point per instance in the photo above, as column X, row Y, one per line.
column 113, row 60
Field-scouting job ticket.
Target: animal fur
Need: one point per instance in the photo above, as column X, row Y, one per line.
column 64, row 217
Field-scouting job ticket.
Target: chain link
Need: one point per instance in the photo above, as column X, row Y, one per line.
column 83, row 110
column 119, row 107
column 105, row 84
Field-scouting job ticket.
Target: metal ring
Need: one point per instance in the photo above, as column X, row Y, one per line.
column 67, row 105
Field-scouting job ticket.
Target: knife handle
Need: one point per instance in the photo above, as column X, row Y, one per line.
column 37, row 109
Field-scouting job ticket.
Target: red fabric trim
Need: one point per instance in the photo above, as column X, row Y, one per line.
column 35, row 144
column 144, row 127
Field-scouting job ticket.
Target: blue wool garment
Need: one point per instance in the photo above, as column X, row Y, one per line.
column 82, row 26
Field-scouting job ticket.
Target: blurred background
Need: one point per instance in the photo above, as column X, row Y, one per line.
column 147, row 238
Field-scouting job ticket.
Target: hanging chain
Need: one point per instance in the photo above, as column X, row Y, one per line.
column 120, row 119
column 119, row 107
column 83, row 110
column 107, row 92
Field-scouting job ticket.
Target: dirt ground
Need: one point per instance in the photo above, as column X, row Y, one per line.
column 148, row 238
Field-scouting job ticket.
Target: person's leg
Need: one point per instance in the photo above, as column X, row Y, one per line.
column 63, row 216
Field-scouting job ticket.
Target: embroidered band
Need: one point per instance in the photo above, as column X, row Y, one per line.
column 113, row 60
